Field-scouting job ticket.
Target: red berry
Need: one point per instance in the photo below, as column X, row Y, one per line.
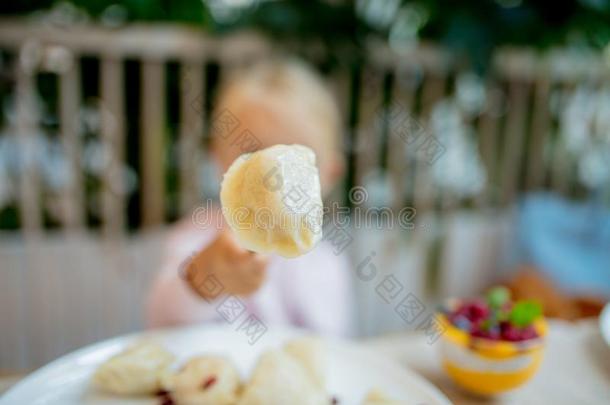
column 479, row 333
column 492, row 333
column 475, row 310
column 207, row 383
column 478, row 310
column 165, row 397
column 511, row 333
column 528, row 333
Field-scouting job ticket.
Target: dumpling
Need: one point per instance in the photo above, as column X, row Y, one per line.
column 377, row 397
column 271, row 199
column 135, row 371
column 206, row 380
column 279, row 379
column 309, row 352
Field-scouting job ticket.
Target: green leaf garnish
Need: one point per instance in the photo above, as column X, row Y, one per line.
column 524, row 313
column 498, row 296
column 486, row 324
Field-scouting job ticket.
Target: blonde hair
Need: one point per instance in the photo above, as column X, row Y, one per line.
column 290, row 81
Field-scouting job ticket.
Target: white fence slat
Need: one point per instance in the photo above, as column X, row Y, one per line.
column 192, row 102
column 560, row 169
column 514, row 136
column 398, row 164
column 187, row 43
column 539, row 134
column 152, row 151
column 369, row 127
column 488, row 133
column 559, row 166
column 134, row 40
column 73, row 198
column 340, row 85
column 27, row 130
column 424, row 193
column 113, row 139
column 432, row 92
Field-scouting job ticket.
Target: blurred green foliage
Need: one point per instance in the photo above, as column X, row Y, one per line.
column 473, row 27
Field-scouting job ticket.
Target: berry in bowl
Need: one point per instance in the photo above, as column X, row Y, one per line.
column 492, row 344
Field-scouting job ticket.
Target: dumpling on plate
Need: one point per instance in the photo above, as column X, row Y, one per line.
column 272, row 201
column 136, row 370
column 210, row 380
column 377, row 397
column 309, row 351
column 280, row 379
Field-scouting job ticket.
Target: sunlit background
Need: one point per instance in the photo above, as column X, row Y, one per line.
column 106, row 107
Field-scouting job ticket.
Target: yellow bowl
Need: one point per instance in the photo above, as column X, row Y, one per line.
column 488, row 367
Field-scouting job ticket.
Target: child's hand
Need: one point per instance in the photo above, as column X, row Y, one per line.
column 239, row 271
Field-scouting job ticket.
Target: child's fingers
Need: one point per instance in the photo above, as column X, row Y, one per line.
column 260, row 260
column 226, row 236
column 254, row 265
column 237, row 254
column 257, row 274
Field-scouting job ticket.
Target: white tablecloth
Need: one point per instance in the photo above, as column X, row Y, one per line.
column 575, row 370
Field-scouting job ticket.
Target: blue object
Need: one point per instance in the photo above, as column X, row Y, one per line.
column 461, row 322
column 569, row 242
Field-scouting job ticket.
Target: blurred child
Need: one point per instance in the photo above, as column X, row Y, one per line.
column 276, row 102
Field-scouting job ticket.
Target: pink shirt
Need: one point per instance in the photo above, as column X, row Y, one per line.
column 312, row 291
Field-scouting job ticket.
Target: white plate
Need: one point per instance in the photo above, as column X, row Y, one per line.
column 604, row 323
column 352, row 371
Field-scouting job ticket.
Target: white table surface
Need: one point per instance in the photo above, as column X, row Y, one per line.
column 575, row 370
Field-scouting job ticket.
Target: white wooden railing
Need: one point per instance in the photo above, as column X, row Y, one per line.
column 63, row 288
